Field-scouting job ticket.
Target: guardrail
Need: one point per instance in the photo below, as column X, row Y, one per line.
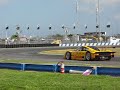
column 89, row 44
column 26, row 45
column 56, row 68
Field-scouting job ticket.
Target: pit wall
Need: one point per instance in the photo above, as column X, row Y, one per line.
column 89, row 44
column 102, row 44
column 55, row 68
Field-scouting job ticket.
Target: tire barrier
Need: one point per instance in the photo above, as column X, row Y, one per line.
column 62, row 66
column 102, row 44
column 26, row 45
column 56, row 68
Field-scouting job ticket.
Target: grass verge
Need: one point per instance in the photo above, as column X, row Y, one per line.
column 19, row 80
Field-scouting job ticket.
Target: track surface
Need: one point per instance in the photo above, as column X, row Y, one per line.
column 32, row 54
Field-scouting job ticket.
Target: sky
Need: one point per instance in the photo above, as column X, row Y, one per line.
column 57, row 13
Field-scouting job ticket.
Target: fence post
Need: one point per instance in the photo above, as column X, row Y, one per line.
column 96, row 70
column 23, row 66
column 55, row 67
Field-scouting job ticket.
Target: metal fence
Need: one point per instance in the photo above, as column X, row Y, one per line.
column 26, row 45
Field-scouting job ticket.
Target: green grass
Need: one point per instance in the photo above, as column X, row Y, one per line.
column 28, row 80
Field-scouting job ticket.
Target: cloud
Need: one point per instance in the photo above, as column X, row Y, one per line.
column 102, row 2
column 3, row 2
column 90, row 5
column 111, row 2
column 117, row 16
column 87, row 10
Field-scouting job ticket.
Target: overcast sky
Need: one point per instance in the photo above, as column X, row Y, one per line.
column 57, row 13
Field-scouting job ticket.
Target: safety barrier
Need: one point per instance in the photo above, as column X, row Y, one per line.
column 26, row 45
column 56, row 68
column 89, row 44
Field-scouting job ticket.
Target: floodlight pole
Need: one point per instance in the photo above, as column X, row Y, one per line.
column 66, row 33
column 6, row 41
column 98, row 19
column 28, row 30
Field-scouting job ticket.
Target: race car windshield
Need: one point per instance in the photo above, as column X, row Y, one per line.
column 95, row 48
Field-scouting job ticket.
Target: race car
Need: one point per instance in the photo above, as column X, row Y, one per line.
column 89, row 53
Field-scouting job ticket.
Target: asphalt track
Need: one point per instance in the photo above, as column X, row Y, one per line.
column 32, row 54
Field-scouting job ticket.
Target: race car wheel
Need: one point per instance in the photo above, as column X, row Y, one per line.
column 88, row 56
column 68, row 55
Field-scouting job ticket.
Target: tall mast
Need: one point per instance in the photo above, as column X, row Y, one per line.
column 97, row 17
column 77, row 6
column 98, row 20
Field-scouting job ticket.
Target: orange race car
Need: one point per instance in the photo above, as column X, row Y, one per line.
column 89, row 53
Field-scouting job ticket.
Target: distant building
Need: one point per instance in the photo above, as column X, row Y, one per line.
column 114, row 40
column 95, row 33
